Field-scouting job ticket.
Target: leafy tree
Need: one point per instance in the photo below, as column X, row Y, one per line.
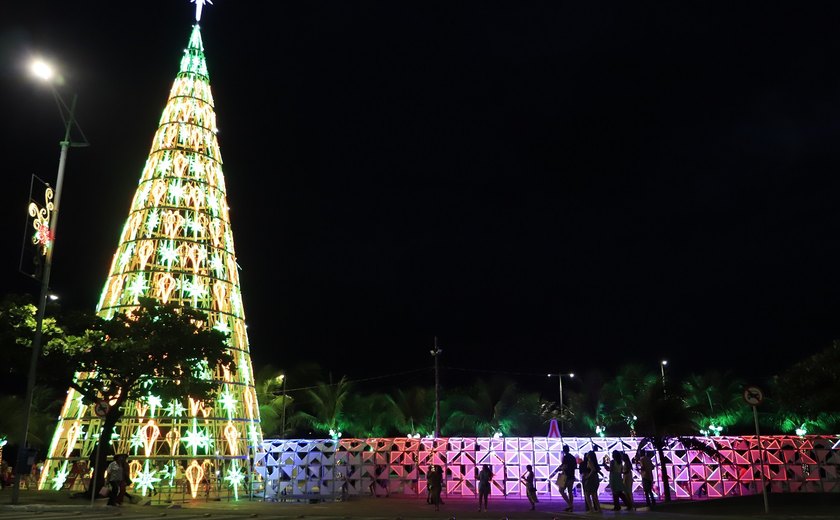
column 808, row 393
column 163, row 347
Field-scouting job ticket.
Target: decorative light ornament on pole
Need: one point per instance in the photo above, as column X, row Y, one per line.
column 45, row 72
column 436, row 354
column 570, row 375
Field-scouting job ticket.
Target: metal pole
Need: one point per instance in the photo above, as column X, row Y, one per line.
column 560, row 380
column 283, row 415
column 42, row 303
column 761, row 461
column 437, row 390
column 94, row 492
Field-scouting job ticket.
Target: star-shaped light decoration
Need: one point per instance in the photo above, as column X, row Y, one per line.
column 228, row 402
column 154, row 403
column 175, row 408
column 197, row 438
column 137, row 441
column 168, row 473
column 218, row 265
column 164, row 164
column 125, row 257
column 254, row 434
column 222, row 326
column 145, row 479
column 195, row 288
column 152, row 220
column 198, row 6
column 60, row 477
column 168, row 253
column 176, row 192
column 235, row 476
column 138, row 286
column 202, row 370
column 213, row 203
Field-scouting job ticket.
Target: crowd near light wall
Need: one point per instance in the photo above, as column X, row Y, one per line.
column 349, row 466
column 176, row 246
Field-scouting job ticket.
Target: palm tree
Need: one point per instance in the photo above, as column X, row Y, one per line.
column 323, row 407
column 371, row 415
column 622, row 395
column 414, row 410
column 716, row 396
column 273, row 402
column 665, row 420
column 492, row 406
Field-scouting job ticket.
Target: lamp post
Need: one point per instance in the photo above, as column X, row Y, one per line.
column 436, row 354
column 570, row 375
column 43, row 71
column 662, row 365
column 283, row 415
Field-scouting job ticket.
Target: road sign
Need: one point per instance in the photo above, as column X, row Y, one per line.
column 753, row 395
column 101, row 408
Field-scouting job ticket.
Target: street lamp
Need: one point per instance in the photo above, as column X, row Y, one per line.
column 570, row 375
column 45, row 72
column 662, row 365
column 436, row 354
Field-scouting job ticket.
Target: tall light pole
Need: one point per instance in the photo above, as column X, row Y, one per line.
column 560, row 376
column 43, row 71
column 662, row 365
column 283, row 414
column 436, row 354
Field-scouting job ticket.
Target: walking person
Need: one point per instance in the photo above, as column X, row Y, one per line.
column 615, row 467
column 122, row 459
column 646, row 470
column 591, row 481
column 115, row 477
column 434, row 480
column 484, row 478
column 568, row 464
column 529, row 480
column 627, row 475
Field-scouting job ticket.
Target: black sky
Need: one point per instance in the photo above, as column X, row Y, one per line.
column 540, row 184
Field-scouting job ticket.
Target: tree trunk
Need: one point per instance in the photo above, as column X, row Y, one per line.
column 102, row 449
column 663, row 468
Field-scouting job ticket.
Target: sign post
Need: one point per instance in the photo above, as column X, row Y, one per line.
column 753, row 396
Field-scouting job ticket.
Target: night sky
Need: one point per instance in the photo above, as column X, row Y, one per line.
column 542, row 185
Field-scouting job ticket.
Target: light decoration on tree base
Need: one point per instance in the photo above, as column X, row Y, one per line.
column 177, row 247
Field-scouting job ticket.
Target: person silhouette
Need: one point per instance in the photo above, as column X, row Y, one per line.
column 484, row 478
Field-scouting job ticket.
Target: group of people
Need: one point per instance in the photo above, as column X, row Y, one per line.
column 620, row 471
column 620, row 476
column 118, row 479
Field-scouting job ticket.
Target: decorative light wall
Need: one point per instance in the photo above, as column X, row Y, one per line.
column 177, row 247
column 328, row 467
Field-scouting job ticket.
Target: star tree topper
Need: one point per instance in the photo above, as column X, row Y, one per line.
column 199, row 4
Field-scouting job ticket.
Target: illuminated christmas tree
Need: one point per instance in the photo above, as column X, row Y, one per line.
column 176, row 247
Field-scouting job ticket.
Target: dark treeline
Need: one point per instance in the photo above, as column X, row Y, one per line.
column 308, row 401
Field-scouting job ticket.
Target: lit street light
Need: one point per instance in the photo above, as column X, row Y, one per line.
column 45, row 72
column 662, row 368
column 560, row 384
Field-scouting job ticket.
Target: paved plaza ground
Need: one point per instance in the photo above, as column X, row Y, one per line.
column 47, row 505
